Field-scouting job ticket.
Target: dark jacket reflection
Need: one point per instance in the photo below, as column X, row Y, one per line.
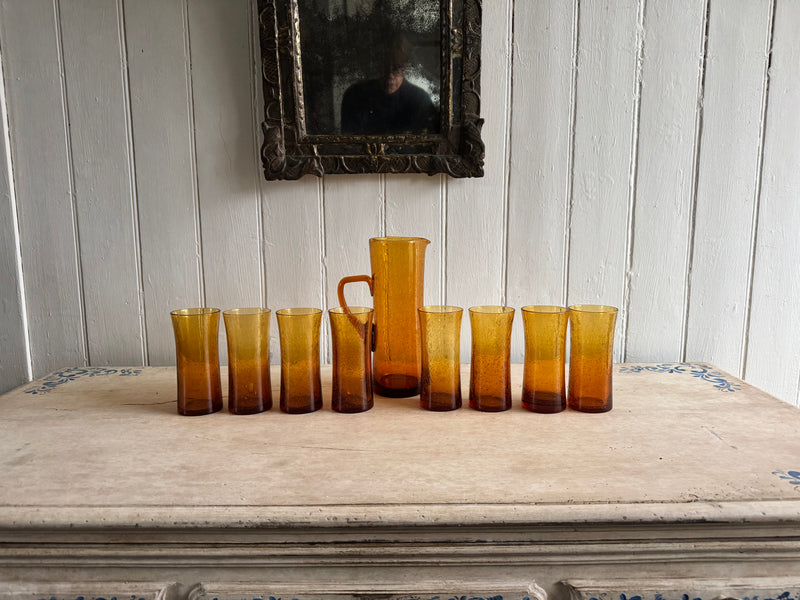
column 367, row 109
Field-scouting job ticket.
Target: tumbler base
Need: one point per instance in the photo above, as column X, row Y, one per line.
column 397, row 386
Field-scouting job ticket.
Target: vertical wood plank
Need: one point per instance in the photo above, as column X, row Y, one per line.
column 540, row 155
column 671, row 77
column 354, row 210
column 292, row 222
column 162, row 117
column 414, row 208
column 604, row 122
column 477, row 207
column 773, row 351
column 227, row 173
column 40, row 151
column 229, row 199
column 726, row 186
column 101, row 157
column 13, row 348
column 292, row 248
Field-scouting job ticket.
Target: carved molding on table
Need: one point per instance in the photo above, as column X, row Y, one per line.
column 93, row 590
column 676, row 589
column 417, row 590
column 250, row 591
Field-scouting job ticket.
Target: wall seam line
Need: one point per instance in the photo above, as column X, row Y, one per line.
column 443, row 239
column 757, row 194
column 797, row 396
column 71, row 176
column 383, row 209
column 323, row 264
column 508, row 149
column 5, row 129
column 698, row 135
column 255, row 74
column 633, row 176
column 570, row 183
column 134, row 187
column 201, row 272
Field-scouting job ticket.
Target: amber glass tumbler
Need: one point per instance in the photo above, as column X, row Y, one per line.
column 440, row 384
column 351, row 384
column 249, row 385
column 490, row 376
column 591, row 357
column 543, row 382
column 197, row 353
column 301, row 388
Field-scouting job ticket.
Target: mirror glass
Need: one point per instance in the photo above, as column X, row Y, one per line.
column 371, row 67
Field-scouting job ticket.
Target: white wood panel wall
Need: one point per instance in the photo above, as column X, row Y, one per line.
column 14, row 366
column 730, row 147
column 641, row 153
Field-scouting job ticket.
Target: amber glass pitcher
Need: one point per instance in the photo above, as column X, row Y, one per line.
column 397, row 281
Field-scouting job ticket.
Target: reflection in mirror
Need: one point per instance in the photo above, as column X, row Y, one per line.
column 371, row 67
column 371, row 86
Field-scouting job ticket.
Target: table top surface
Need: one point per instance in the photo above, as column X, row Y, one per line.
column 98, row 446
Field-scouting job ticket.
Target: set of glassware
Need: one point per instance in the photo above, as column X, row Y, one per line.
column 399, row 348
column 544, row 388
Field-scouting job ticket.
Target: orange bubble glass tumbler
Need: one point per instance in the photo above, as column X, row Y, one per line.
column 351, row 384
column 490, row 376
column 440, row 384
column 301, row 388
column 543, row 381
column 249, row 384
column 591, row 357
column 197, row 354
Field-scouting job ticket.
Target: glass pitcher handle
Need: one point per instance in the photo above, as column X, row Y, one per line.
column 352, row 279
column 343, row 303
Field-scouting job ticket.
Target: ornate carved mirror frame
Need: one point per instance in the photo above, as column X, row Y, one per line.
column 293, row 148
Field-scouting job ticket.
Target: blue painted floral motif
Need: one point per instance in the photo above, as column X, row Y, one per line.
column 793, row 477
column 52, row 381
column 413, row 597
column 720, row 380
column 682, row 596
column 94, row 598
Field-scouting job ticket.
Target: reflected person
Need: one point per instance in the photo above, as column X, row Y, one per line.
column 389, row 104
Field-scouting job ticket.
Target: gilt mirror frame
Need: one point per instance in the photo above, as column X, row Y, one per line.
column 290, row 151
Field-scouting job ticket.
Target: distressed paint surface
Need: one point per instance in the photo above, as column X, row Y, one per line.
column 773, row 351
column 665, row 161
column 715, row 456
column 730, row 144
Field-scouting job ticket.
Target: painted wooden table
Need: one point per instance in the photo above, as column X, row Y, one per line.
column 688, row 488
